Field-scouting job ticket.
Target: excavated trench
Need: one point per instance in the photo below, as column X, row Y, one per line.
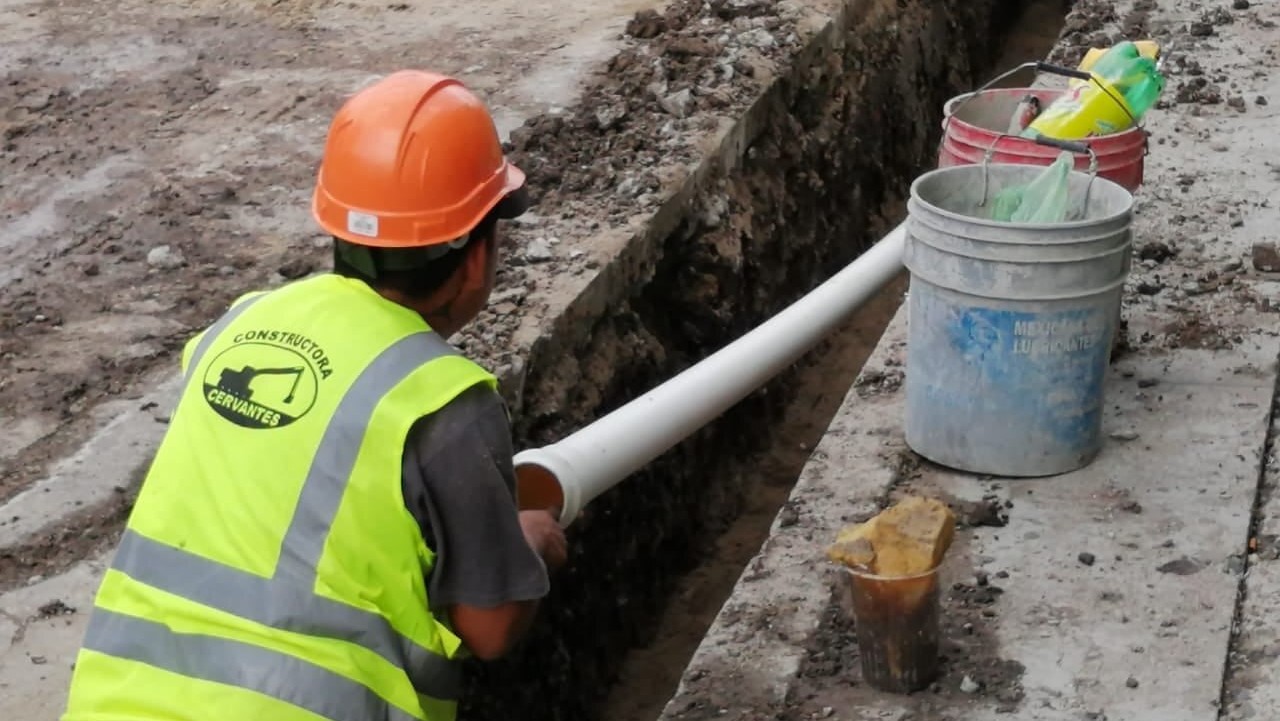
column 844, row 132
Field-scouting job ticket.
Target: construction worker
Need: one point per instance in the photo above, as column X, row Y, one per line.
column 330, row 523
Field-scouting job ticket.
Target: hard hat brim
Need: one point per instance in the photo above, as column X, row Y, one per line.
column 516, row 202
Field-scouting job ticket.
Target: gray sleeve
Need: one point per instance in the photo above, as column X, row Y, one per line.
column 459, row 484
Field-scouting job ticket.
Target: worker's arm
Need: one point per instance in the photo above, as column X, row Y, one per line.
column 491, row 562
column 489, row 633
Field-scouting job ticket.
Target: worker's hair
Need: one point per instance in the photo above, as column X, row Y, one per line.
column 402, row 270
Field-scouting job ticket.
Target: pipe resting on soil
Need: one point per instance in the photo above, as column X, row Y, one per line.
column 571, row 473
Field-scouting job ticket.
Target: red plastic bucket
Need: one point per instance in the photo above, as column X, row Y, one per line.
column 981, row 123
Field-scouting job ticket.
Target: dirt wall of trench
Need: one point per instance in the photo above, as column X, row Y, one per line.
column 822, row 164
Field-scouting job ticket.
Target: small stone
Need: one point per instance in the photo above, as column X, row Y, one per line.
column 1260, row 100
column 295, row 268
column 1236, row 103
column 1124, row 436
column 1218, row 147
column 538, row 250
column 39, row 660
column 1236, row 564
column 827, row 711
column 1131, row 682
column 1240, row 4
column 968, row 685
column 788, row 517
column 1181, row 567
column 1148, row 382
column 677, row 103
column 1086, row 558
column 609, row 115
column 1266, row 257
column 759, row 38
column 56, row 607
column 1201, row 29
column 630, row 187
column 91, row 269
column 164, row 257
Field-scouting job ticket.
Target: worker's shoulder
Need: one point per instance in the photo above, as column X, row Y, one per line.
column 478, row 402
column 479, row 408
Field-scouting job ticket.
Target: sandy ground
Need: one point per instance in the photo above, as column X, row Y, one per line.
column 158, row 157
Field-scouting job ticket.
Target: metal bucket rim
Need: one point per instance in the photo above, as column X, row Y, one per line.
column 1125, row 247
column 1127, row 210
column 1109, row 287
column 1099, row 237
column 1111, row 149
column 948, row 113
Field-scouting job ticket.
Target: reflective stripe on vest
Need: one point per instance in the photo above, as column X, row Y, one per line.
column 286, row 600
column 221, row 660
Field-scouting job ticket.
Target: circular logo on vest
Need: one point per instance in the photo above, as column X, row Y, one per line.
column 260, row 385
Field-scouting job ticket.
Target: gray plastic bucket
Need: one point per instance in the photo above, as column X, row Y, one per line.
column 1010, row 325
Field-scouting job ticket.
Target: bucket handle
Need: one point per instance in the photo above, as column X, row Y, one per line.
column 1040, row 66
column 1071, row 146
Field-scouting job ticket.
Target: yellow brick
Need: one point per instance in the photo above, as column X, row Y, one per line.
column 906, row 539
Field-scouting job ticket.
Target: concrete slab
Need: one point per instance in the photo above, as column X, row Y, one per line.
column 1142, row 632
column 1156, row 605
column 183, row 97
column 43, row 624
column 1252, row 691
column 111, row 460
column 1253, row 686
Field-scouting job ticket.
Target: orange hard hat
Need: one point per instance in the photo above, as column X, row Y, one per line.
column 413, row 160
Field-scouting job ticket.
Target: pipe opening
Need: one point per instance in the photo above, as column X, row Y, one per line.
column 537, row 488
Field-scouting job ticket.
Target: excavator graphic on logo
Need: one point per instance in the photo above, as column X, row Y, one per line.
column 257, row 385
column 238, row 382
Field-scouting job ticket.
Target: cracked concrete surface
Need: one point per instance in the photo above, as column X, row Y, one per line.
column 41, row 626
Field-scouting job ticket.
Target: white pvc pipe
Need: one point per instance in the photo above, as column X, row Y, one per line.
column 600, row 455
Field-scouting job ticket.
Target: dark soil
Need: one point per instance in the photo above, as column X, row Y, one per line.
column 1197, row 332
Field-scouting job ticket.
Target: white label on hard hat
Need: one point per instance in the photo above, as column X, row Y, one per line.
column 362, row 224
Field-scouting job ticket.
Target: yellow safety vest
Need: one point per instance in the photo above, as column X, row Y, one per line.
column 270, row 570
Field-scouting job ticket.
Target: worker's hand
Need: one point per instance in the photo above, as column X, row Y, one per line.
column 544, row 534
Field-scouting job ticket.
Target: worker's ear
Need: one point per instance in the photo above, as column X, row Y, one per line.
column 479, row 265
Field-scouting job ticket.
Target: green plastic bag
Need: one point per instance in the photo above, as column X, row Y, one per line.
column 1043, row 200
